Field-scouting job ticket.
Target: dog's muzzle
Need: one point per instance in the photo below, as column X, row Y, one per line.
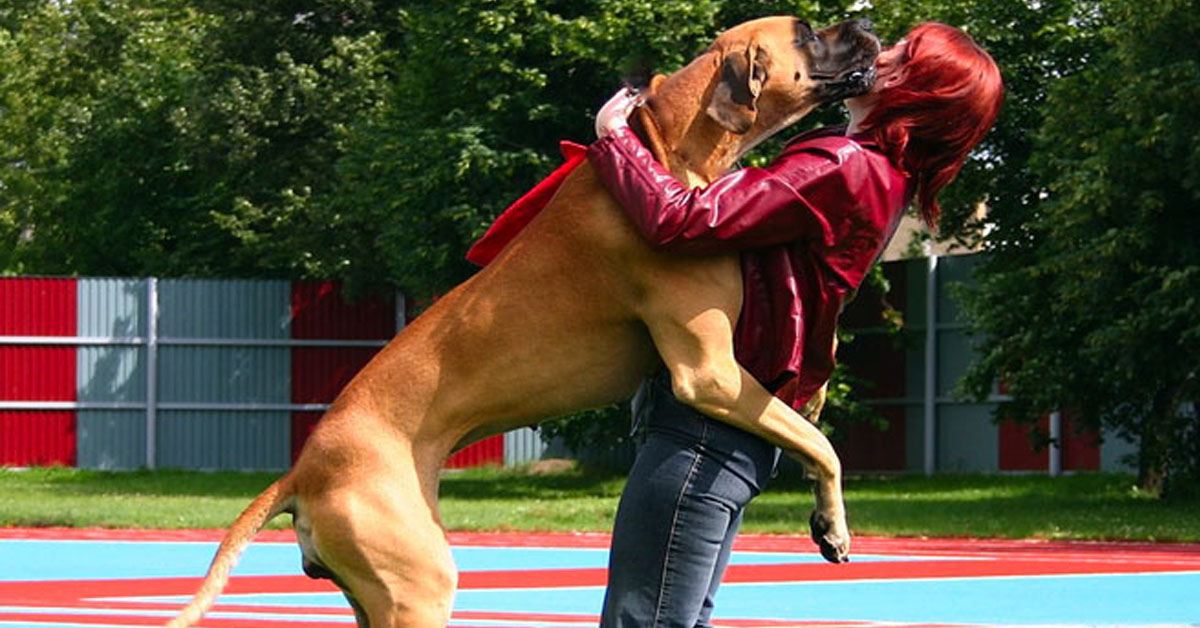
column 859, row 81
column 850, row 83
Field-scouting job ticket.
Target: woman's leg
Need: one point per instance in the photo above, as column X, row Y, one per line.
column 678, row 515
column 705, row 619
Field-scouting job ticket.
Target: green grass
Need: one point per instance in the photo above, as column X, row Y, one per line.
column 1089, row 506
column 141, row 499
column 1086, row 506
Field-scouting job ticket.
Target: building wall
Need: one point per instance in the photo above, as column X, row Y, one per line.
column 965, row 437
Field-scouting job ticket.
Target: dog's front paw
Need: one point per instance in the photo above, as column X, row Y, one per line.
column 832, row 539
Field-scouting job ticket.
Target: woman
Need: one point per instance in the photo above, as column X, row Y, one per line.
column 808, row 227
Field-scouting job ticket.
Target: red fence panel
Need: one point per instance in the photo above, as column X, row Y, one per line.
column 303, row 424
column 879, row 362
column 37, row 307
column 320, row 311
column 320, row 373
column 489, row 451
column 1080, row 450
column 866, row 447
column 37, row 438
column 37, row 373
column 1017, row 451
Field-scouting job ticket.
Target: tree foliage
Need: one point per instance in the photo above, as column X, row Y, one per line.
column 347, row 139
column 169, row 137
column 1089, row 297
column 485, row 92
column 472, row 119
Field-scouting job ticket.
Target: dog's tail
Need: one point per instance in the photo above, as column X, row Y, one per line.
column 265, row 507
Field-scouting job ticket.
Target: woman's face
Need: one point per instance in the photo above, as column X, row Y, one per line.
column 888, row 63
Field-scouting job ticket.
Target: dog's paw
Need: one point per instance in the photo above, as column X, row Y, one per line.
column 834, row 544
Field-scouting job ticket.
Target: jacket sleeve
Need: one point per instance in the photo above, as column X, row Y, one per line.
column 747, row 208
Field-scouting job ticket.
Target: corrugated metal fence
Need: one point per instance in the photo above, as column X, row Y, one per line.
column 129, row 373
column 201, row 374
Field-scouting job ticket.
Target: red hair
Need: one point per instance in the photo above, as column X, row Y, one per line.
column 943, row 95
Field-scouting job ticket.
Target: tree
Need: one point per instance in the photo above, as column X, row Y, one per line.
column 484, row 94
column 175, row 138
column 1088, row 299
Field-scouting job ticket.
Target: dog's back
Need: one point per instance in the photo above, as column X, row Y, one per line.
column 554, row 323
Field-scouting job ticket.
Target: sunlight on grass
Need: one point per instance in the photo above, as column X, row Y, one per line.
column 1085, row 506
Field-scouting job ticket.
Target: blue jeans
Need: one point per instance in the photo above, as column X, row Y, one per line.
column 679, row 513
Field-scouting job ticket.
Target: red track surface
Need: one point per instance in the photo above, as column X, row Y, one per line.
column 980, row 558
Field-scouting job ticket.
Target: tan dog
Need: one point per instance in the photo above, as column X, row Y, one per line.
column 567, row 317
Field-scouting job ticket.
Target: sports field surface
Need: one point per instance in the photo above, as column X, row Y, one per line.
column 70, row 578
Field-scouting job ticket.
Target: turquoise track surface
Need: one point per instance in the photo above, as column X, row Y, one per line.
column 67, row 579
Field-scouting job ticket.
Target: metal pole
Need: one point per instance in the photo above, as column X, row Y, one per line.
column 931, row 370
column 151, row 372
column 1055, row 443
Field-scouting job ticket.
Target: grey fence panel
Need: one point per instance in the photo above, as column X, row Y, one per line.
column 955, row 355
column 111, row 439
column 967, row 440
column 914, row 437
column 964, row 437
column 224, row 309
column 521, row 446
column 954, row 270
column 192, row 372
column 915, row 277
column 224, row 374
column 224, row 440
column 914, row 362
column 1118, row 455
column 116, row 309
column 110, row 374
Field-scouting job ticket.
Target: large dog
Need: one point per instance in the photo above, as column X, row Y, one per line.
column 568, row 316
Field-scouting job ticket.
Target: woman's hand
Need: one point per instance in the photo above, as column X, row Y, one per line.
column 615, row 113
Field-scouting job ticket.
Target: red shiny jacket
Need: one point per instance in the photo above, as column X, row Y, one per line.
column 808, row 227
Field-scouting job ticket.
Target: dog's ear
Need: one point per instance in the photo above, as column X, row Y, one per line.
column 733, row 103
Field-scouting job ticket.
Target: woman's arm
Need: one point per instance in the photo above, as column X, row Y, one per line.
column 747, row 208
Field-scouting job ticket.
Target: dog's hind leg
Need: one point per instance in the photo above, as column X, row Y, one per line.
column 381, row 539
column 314, row 569
column 360, row 614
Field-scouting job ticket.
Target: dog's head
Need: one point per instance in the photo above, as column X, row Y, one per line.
column 773, row 70
column 756, row 79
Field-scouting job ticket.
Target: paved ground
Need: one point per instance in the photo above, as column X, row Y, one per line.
column 90, row 579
